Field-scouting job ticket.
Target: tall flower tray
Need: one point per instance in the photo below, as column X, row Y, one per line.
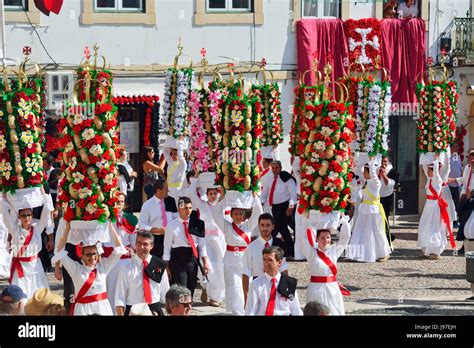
column 22, row 138
column 437, row 108
column 267, row 103
column 178, row 85
column 325, row 162
column 88, row 189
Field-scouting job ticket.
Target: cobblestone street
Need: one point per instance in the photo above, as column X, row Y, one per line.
column 407, row 284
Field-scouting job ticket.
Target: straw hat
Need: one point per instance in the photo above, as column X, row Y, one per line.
column 41, row 299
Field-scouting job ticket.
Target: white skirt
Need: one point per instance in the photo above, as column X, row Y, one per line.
column 446, row 194
column 34, row 277
column 299, row 236
column 432, row 230
column 101, row 307
column 327, row 294
column 368, row 242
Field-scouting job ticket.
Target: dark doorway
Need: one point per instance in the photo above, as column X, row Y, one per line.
column 405, row 160
column 131, row 121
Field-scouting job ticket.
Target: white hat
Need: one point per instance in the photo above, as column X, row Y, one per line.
column 31, row 197
column 207, row 180
column 324, row 220
column 140, row 309
column 236, row 199
column 270, row 152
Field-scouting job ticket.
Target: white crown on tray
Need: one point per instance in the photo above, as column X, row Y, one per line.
column 30, row 197
column 236, row 199
column 89, row 232
column 320, row 220
column 362, row 158
column 207, row 180
column 270, row 152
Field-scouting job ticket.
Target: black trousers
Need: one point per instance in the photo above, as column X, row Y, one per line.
column 44, row 253
column 387, row 203
column 282, row 221
column 158, row 246
column 154, row 307
column 183, row 267
column 456, row 194
column 68, row 289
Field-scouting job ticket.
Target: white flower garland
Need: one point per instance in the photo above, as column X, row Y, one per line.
column 174, row 118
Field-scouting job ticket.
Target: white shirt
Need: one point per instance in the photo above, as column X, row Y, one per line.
column 284, row 191
column 387, row 190
column 129, row 170
column 296, row 172
column 128, row 239
column 231, row 237
column 130, row 284
column 465, row 179
column 259, row 294
column 175, row 237
column 405, row 11
column 150, row 215
column 253, row 258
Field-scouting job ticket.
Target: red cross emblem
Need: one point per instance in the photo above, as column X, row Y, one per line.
column 264, row 62
column 27, row 50
column 203, row 52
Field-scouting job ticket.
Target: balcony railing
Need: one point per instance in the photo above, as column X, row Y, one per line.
column 457, row 39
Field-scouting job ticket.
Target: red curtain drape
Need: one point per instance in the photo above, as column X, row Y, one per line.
column 403, row 51
column 404, row 55
column 321, row 36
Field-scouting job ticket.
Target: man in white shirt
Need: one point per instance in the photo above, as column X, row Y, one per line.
column 273, row 293
column 280, row 192
column 143, row 279
column 156, row 214
column 253, row 262
column 182, row 238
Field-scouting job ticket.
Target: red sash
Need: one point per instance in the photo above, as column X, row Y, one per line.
column 309, row 233
column 443, row 207
column 81, row 298
column 126, row 226
column 241, row 233
column 329, row 279
column 16, row 261
column 265, row 171
column 236, row 248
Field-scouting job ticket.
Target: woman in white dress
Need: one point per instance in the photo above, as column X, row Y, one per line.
column 90, row 296
column 237, row 236
column 215, row 243
column 432, row 229
column 369, row 242
column 26, row 268
column 322, row 260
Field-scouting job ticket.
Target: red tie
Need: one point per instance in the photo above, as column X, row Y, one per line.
column 271, row 301
column 146, row 284
column 190, row 240
column 272, row 191
column 266, row 245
